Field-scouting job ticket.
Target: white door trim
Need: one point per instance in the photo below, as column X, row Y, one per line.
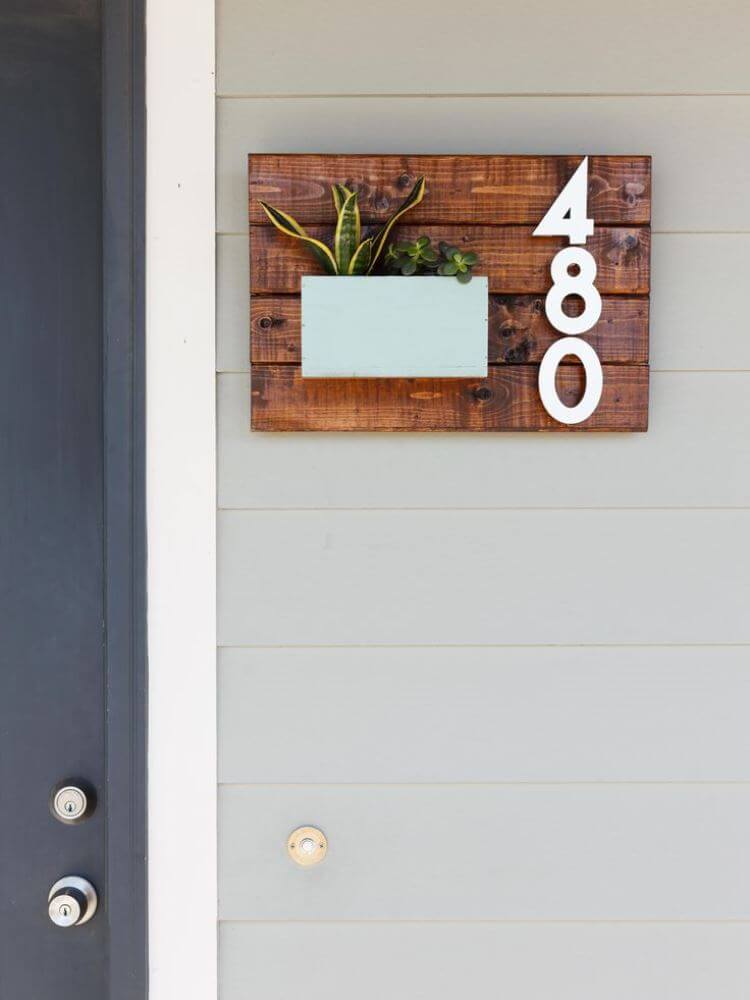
column 181, row 498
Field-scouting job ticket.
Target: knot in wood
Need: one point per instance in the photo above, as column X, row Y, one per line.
column 482, row 393
column 404, row 181
column 265, row 322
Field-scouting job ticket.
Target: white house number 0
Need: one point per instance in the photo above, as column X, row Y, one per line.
column 566, row 216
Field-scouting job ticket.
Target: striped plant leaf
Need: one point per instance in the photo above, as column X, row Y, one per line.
column 361, row 259
column 290, row 227
column 413, row 198
column 348, row 231
column 339, row 193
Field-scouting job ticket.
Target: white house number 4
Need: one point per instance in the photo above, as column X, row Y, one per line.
column 566, row 216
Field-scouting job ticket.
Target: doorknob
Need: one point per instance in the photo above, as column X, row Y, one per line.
column 72, row 901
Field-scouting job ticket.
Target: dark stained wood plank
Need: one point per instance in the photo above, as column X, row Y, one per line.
column 508, row 400
column 490, row 190
column 516, row 262
column 519, row 332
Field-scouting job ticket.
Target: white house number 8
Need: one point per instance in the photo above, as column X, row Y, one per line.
column 573, row 272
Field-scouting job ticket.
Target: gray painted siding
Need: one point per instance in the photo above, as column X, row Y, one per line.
column 508, row 675
column 484, row 961
column 489, row 714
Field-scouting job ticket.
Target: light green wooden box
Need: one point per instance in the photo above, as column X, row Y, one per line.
column 394, row 327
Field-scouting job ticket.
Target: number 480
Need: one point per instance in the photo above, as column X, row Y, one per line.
column 573, row 272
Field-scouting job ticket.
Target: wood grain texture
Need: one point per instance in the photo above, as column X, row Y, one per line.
column 519, row 332
column 516, row 262
column 694, row 455
column 490, row 190
column 489, row 205
column 507, row 400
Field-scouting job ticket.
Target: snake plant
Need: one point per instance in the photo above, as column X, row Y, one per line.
column 350, row 253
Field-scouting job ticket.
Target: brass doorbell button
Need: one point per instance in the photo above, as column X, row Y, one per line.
column 307, row 846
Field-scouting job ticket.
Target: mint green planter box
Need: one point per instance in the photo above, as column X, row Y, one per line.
column 394, row 327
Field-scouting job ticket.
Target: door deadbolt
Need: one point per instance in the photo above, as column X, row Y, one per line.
column 72, row 901
column 72, row 801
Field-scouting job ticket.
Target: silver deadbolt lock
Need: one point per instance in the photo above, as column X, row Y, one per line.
column 72, row 901
column 72, row 801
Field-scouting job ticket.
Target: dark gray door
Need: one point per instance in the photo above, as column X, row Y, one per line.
column 56, row 578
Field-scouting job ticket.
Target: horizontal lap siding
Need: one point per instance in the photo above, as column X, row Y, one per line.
column 435, row 577
column 699, row 145
column 669, row 713
column 532, row 48
column 695, row 454
column 376, row 719
column 489, row 852
column 452, row 961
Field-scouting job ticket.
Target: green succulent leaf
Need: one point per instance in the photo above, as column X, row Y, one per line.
column 448, row 268
column 361, row 259
column 429, row 255
column 464, row 277
column 409, row 267
column 423, row 241
column 347, row 236
column 413, row 198
column 290, row 227
column 470, row 259
column 339, row 193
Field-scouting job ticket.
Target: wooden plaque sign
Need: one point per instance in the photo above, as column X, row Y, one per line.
column 544, row 290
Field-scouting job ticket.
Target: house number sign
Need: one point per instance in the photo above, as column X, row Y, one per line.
column 567, row 297
column 573, row 271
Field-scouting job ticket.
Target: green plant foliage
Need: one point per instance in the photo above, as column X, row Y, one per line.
column 346, row 237
column 351, row 254
column 456, row 263
column 420, row 258
column 411, row 258
column 290, row 227
column 413, row 198
column 360, row 262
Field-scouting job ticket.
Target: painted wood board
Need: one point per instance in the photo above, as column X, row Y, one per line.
column 404, row 715
column 382, row 327
column 433, row 960
column 356, row 577
column 694, row 455
column 489, row 852
column 489, row 205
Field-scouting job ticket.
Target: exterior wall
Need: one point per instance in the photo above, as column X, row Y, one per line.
column 505, row 674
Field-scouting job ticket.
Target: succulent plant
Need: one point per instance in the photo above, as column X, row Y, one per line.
column 351, row 254
column 420, row 258
column 456, row 263
column 411, row 258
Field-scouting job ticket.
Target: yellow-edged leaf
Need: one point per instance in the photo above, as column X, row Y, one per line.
column 290, row 227
column 413, row 198
column 347, row 235
column 339, row 193
column 361, row 259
